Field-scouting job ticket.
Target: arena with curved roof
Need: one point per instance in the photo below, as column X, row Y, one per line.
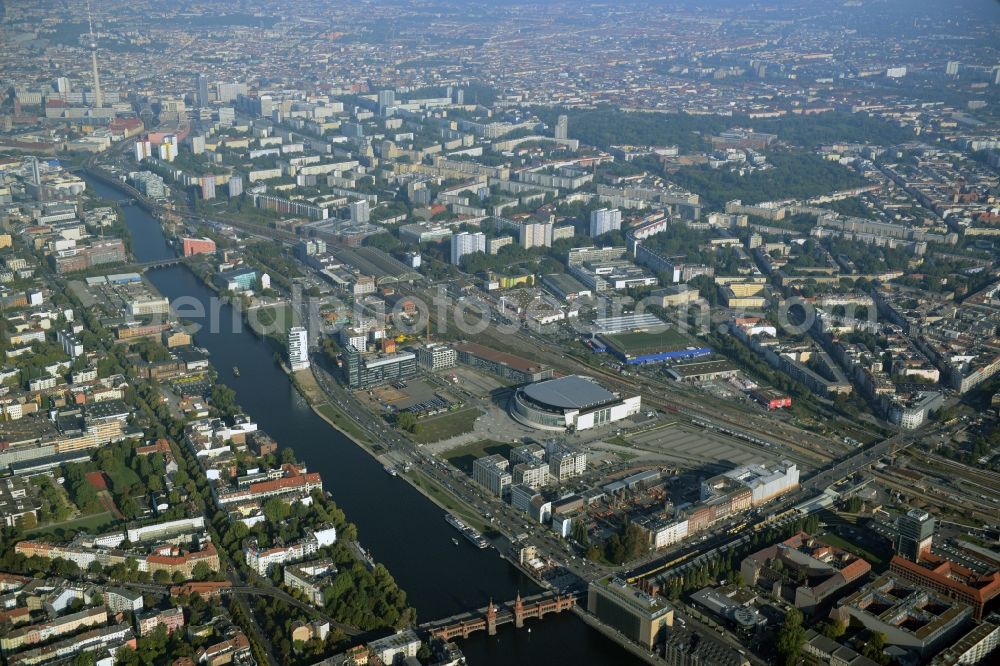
column 574, row 402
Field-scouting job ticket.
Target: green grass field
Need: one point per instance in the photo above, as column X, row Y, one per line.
column 343, row 421
column 446, row 499
column 463, row 456
column 635, row 344
column 447, row 425
column 122, row 477
column 853, row 538
column 273, row 321
column 840, row 542
column 94, row 523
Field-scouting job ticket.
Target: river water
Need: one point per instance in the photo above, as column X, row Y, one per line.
column 400, row 527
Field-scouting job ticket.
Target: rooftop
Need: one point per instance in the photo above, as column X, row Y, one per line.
column 571, row 392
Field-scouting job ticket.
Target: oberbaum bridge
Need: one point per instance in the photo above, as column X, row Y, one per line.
column 492, row 616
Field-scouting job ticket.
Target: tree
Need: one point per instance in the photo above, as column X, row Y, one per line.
column 201, row 571
column 579, row 533
column 406, row 421
column 833, row 629
column 235, row 534
column 791, row 637
column 223, row 399
column 27, row 521
column 635, row 541
column 874, row 649
column 84, row 659
column 275, row 510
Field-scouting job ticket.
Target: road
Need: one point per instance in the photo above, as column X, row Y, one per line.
column 512, row 523
column 502, row 517
column 669, row 396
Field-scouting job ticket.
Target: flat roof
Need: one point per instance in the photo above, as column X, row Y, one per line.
column 570, row 392
column 516, row 362
column 694, row 368
column 626, row 322
column 565, row 282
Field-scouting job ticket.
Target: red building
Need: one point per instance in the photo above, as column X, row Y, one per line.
column 124, row 128
column 770, row 398
column 198, row 246
column 206, row 590
column 951, row 579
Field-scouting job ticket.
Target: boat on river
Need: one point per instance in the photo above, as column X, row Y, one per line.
column 469, row 533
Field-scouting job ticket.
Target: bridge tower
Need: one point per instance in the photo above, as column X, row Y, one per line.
column 491, row 619
column 518, row 611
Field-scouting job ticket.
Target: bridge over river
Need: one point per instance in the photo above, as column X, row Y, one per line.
column 493, row 615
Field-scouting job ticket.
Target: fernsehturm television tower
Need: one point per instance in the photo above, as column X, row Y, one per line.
column 98, row 98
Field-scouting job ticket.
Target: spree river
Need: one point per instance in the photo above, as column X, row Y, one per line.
column 400, row 527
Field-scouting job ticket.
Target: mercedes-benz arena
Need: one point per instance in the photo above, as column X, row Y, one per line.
column 570, row 403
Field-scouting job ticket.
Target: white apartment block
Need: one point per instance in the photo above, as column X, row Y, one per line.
column 492, row 473
column 435, row 357
column 604, row 220
column 565, row 464
column 466, row 243
column 533, row 475
column 298, row 348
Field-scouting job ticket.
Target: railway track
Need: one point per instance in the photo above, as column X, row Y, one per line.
column 978, row 512
column 982, row 477
column 674, row 407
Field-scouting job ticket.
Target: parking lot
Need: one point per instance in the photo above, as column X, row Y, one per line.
column 410, row 395
column 477, row 384
column 694, row 447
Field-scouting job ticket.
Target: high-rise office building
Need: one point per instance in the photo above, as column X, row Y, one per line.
column 298, row 348
column 386, row 100
column 36, row 174
column 208, row 187
column 562, row 127
column 915, row 534
column 197, row 144
column 228, row 92
column 168, row 148
column 202, row 90
column 362, row 371
column 604, row 220
column 35, row 179
column 143, row 149
column 360, row 211
column 535, row 234
column 466, row 243
column 352, row 130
